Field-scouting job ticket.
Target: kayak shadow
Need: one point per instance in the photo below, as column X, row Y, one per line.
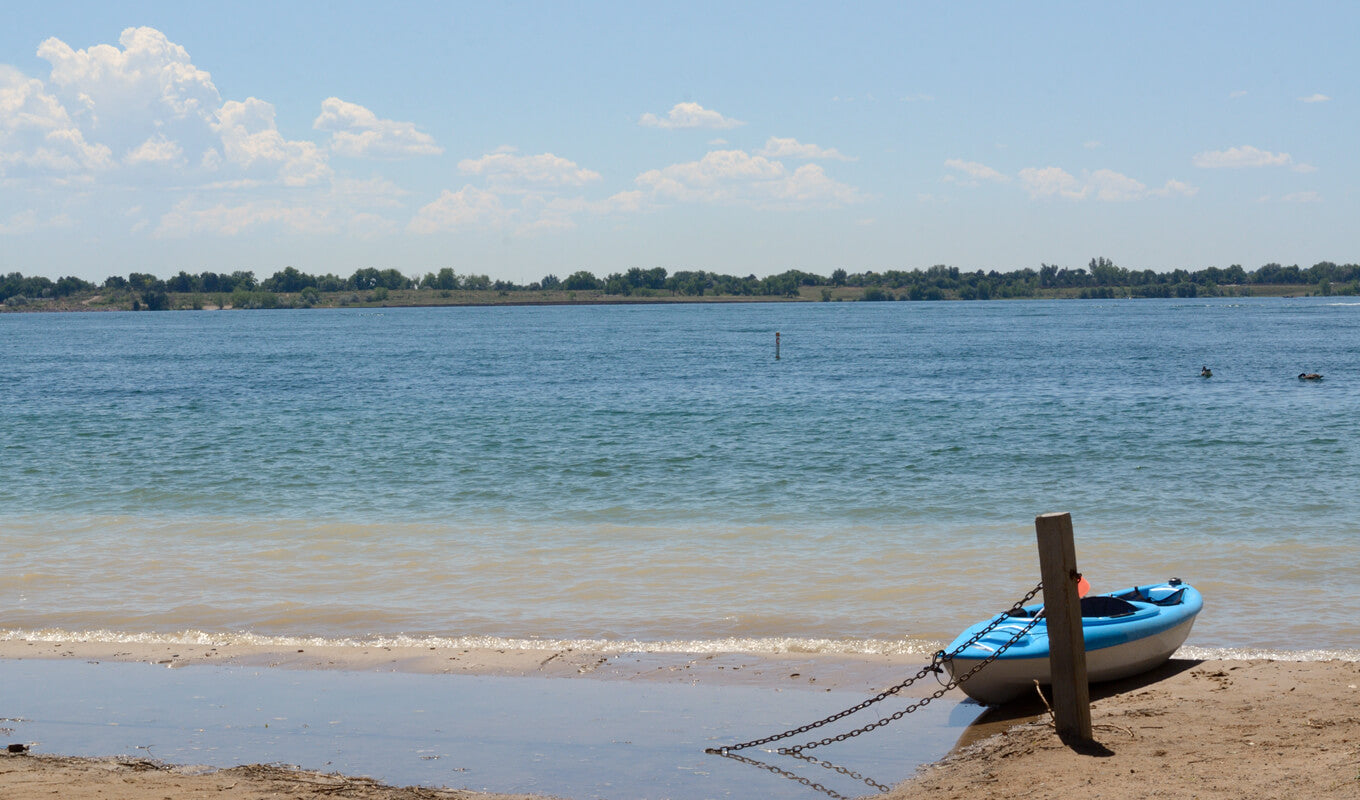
column 1030, row 707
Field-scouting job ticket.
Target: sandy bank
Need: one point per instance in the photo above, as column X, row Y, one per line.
column 132, row 779
column 1213, row 729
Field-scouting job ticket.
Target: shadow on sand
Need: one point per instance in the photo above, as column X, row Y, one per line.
column 1030, row 707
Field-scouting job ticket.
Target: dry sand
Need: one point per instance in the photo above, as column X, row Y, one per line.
column 1239, row 729
column 1212, row 729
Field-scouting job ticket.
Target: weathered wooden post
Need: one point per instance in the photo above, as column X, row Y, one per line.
column 776, row 345
column 1062, row 608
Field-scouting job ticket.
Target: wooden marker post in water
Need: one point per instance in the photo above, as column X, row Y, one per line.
column 1066, row 646
column 776, row 345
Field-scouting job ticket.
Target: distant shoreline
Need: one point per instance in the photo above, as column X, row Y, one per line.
column 102, row 300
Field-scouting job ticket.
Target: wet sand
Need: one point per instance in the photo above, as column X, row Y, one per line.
column 869, row 673
column 1202, row 729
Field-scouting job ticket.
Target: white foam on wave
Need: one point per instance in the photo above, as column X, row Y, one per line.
column 752, row 645
column 1266, row 654
column 776, row 646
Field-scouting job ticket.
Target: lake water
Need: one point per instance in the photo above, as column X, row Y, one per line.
column 617, row 475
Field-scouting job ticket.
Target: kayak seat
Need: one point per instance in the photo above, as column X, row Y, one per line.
column 1106, row 606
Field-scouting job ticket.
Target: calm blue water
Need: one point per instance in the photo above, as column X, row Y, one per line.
column 652, row 473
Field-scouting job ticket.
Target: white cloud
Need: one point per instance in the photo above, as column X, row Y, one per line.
column 1176, row 188
column 1315, row 98
column 506, row 168
column 688, row 115
column 1050, row 182
column 1302, row 197
column 776, row 147
column 149, row 72
column 145, row 100
column 251, row 141
column 627, row 202
column 1238, row 157
column 809, row 185
column 359, row 133
column 187, row 219
column 1112, row 186
column 1238, row 93
column 37, row 135
column 1093, row 144
column 1103, row 184
column 1301, row 167
column 467, row 207
column 373, row 193
column 976, row 171
column 155, row 150
column 369, row 226
column 736, row 177
column 550, row 215
column 29, row 221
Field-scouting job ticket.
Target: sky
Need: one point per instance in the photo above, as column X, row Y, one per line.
column 520, row 139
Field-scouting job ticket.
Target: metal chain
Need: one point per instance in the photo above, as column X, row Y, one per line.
column 933, row 667
column 808, row 782
column 847, row 772
column 924, row 701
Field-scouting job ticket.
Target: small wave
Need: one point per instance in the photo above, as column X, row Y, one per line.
column 752, row 645
column 771, row 646
column 1257, row 654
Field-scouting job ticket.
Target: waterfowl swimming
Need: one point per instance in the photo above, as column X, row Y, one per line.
column 1205, row 372
column 1310, row 376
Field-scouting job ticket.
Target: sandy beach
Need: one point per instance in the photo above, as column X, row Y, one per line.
column 1197, row 729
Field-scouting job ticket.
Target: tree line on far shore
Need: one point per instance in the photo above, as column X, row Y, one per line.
column 1100, row 279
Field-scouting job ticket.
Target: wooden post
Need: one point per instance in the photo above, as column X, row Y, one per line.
column 1066, row 646
column 776, row 345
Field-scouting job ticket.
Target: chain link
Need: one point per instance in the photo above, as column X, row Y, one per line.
column 847, row 772
column 808, row 782
column 934, row 667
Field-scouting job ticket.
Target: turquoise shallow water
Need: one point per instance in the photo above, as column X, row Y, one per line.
column 653, row 474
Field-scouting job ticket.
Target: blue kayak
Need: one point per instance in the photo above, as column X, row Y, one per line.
column 1126, row 632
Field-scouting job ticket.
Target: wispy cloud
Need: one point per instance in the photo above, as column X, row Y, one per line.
column 975, row 171
column 689, row 115
column 1103, row 184
column 506, row 166
column 776, row 147
column 357, row 132
column 734, row 177
column 1302, row 197
column 251, row 141
column 1315, row 98
column 1052, row 182
column 1240, row 157
column 467, row 207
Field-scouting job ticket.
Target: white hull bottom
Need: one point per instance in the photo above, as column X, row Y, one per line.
column 1006, row 679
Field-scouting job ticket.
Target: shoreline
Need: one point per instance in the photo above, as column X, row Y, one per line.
column 1211, row 728
column 420, row 298
column 810, row 671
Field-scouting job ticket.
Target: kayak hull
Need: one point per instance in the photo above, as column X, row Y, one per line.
column 1117, row 645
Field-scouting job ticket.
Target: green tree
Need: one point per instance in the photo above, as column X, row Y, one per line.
column 581, row 280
